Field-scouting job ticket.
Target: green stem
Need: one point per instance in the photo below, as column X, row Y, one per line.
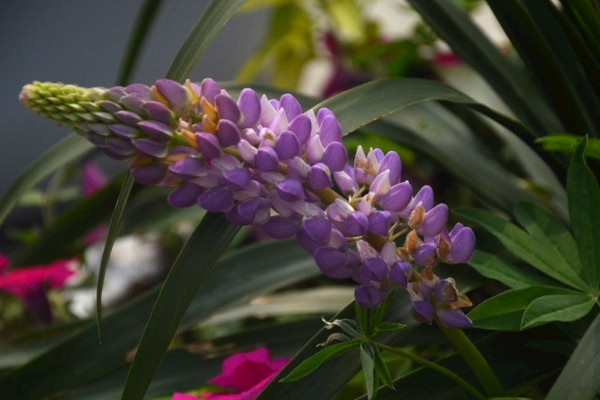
column 436, row 367
column 473, row 357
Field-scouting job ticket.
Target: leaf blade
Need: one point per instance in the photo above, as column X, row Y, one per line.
column 551, row 308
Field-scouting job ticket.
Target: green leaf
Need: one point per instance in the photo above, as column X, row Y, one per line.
column 113, row 230
column 213, row 19
column 470, row 44
column 381, row 370
column 64, row 152
column 548, row 229
column 584, row 208
column 368, row 368
column 505, row 311
column 80, row 358
column 512, row 276
column 579, row 378
column 388, row 327
column 561, row 307
column 187, row 275
column 538, row 254
column 568, row 144
column 313, row 362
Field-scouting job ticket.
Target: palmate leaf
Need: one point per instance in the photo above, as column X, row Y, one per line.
column 584, row 208
column 80, row 359
column 540, row 254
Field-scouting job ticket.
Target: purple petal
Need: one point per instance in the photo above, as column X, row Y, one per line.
column 392, row 162
column 149, row 175
column 445, row 290
column 302, row 127
column 368, row 296
column 335, row 156
column 425, row 254
column 319, row 176
column 400, row 273
column 120, row 146
column 128, row 117
column 134, row 103
column 332, row 263
column 331, row 130
column 188, row 167
column 345, row 180
column 290, row 105
column 176, row 94
column 227, row 108
column 287, row 145
column 249, row 105
column 379, row 222
column 247, row 151
column 237, row 179
column 306, row 242
column 435, row 220
column 453, row 318
column 208, row 144
column 279, row 227
column 219, row 199
column 228, row 133
column 318, row 229
column 314, row 150
column 323, row 113
column 151, row 147
column 377, row 268
column 124, row 131
column 209, row 89
column 266, row 159
column 140, row 90
column 462, row 245
column 298, row 169
column 290, row 190
column 424, row 311
column 185, row 195
column 158, row 112
column 397, row 198
column 251, row 211
column 425, row 197
column 156, row 130
column 357, row 224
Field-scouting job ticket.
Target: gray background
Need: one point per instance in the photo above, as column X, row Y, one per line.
column 81, row 42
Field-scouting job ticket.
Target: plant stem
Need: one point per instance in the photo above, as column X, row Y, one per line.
column 436, row 367
column 473, row 357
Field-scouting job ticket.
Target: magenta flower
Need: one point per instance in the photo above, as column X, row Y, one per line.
column 30, row 283
column 244, row 376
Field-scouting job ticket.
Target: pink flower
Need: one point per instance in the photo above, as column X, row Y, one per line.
column 29, row 283
column 245, row 375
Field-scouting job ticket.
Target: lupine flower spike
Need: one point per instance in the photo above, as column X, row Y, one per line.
column 265, row 162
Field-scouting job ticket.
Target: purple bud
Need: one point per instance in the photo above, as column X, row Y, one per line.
column 368, row 296
column 120, row 146
column 237, row 179
column 133, row 103
column 391, row 161
column 397, row 198
column 332, row 263
column 331, row 130
column 149, row 175
column 228, row 133
column 317, row 229
column 128, row 117
column 435, row 220
column 249, row 105
column 462, row 244
column 357, row 224
column 219, row 199
column 322, row 113
column 266, row 159
column 279, row 227
column 140, row 90
column 158, row 112
column 379, row 222
column 209, row 89
column 400, row 273
column 174, row 92
column 227, row 108
column 451, row 318
column 290, row 190
column 425, row 197
column 156, row 130
column 188, row 167
column 115, row 93
column 151, row 147
column 335, row 156
column 208, row 144
column 425, row 254
column 124, row 131
column 290, row 105
column 424, row 311
column 319, row 176
column 287, row 145
column 302, row 127
column 185, row 195
column 345, row 180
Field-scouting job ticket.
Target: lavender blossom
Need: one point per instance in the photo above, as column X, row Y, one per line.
column 264, row 162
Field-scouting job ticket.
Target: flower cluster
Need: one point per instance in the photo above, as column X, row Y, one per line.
column 265, row 162
column 243, row 377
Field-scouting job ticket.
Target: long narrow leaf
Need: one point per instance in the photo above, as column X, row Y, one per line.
column 561, row 307
column 584, row 209
column 187, row 275
column 213, row 19
column 579, row 379
column 59, row 155
column 470, row 44
column 113, row 230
